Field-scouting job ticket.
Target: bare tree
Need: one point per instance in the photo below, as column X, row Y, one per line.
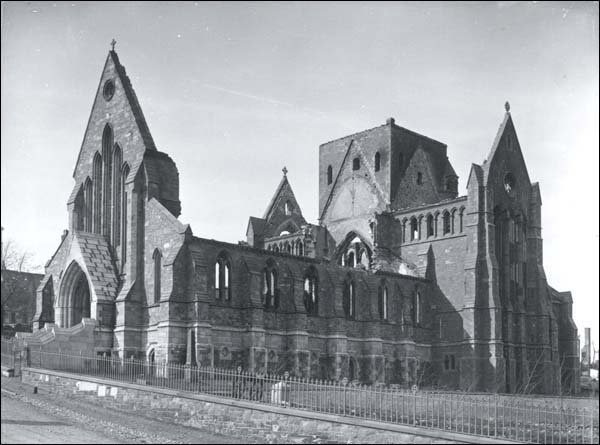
column 13, row 259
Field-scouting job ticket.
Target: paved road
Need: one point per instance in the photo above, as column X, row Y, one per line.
column 52, row 418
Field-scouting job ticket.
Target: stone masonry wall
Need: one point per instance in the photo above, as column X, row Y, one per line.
column 253, row 422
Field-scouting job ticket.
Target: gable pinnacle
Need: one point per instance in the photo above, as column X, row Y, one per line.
column 284, row 170
column 507, row 106
column 113, row 43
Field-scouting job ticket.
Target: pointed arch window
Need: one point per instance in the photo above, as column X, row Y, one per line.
column 311, row 294
column 383, row 302
column 377, row 161
column 287, row 207
column 270, row 289
column 107, row 149
column 414, row 229
column 117, row 193
column 419, row 178
column 356, row 164
column 452, row 219
column 349, row 298
column 97, row 185
column 417, row 309
column 124, row 174
column 157, row 258
column 329, row 175
column 430, row 225
column 223, row 278
column 89, row 205
column 446, row 222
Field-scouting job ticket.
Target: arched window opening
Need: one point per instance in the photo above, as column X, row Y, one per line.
column 300, row 248
column 429, row 225
column 329, row 175
column 117, row 192
column 377, row 161
column 350, row 261
column 89, row 205
column 356, row 164
column 349, row 298
column 311, row 296
column 79, row 210
column 107, row 149
column 404, row 231
column 460, row 219
column 446, row 222
column 97, row 184
column 383, row 302
column 417, row 309
column 218, row 280
column 452, row 218
column 270, row 289
column 419, row 178
column 288, row 247
column 414, row 229
column 124, row 175
column 157, row 257
column 287, row 207
column 222, row 278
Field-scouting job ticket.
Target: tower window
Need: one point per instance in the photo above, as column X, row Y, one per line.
column 329, row 175
column 377, row 161
column 414, row 229
column 419, row 178
column 356, row 164
column 446, row 222
column 429, row 225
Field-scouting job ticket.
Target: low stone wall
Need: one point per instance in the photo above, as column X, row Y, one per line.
column 253, row 422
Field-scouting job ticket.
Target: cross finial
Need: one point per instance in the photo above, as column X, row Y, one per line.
column 113, row 43
column 284, row 170
column 507, row 106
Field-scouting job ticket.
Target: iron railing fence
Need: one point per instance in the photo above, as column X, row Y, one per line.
column 498, row 416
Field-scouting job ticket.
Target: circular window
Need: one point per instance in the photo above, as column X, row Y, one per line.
column 109, row 89
column 509, row 183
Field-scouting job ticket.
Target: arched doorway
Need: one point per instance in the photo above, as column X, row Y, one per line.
column 75, row 296
column 80, row 300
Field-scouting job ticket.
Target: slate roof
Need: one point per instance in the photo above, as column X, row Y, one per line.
column 99, row 264
column 258, row 225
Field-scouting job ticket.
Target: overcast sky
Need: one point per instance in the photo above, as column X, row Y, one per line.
column 235, row 91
